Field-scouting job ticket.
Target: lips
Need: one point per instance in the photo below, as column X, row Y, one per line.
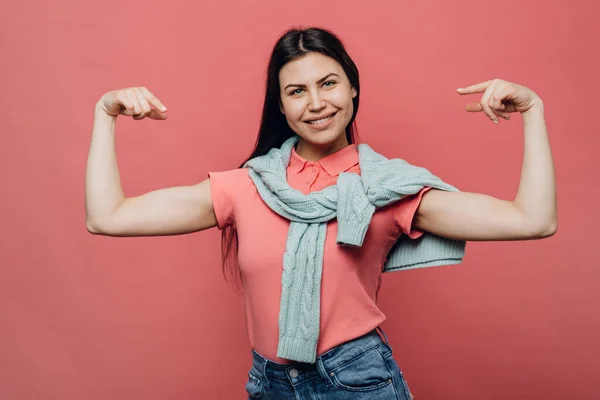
column 322, row 119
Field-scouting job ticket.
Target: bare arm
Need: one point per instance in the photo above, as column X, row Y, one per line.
column 473, row 216
column 169, row 211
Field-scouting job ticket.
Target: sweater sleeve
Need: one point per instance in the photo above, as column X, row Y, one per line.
column 404, row 213
column 224, row 189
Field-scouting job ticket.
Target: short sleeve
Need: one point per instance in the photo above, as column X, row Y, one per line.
column 224, row 190
column 404, row 213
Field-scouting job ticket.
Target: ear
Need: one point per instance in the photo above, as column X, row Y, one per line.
column 281, row 108
column 354, row 93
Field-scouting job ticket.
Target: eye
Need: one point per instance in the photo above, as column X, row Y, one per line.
column 295, row 91
column 332, row 83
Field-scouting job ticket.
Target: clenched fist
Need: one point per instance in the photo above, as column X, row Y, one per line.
column 137, row 102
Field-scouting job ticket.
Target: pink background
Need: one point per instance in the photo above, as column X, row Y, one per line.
column 90, row 317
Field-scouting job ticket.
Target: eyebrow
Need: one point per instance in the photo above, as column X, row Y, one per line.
column 318, row 82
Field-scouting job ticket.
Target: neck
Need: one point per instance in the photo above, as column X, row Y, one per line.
column 313, row 152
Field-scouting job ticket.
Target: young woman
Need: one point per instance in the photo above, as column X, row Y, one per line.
column 294, row 217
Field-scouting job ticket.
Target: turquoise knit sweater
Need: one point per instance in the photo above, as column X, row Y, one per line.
column 352, row 201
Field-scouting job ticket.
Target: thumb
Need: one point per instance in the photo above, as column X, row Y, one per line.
column 156, row 114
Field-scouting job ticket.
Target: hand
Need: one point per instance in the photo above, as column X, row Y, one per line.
column 500, row 98
column 134, row 101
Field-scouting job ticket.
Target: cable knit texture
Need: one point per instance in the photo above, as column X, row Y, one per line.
column 353, row 200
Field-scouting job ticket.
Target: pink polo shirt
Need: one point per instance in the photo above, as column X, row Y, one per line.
column 351, row 276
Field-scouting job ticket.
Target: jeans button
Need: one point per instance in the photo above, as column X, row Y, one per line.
column 293, row 372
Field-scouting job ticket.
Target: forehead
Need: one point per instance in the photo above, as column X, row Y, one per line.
column 309, row 68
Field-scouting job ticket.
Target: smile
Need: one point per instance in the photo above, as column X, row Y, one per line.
column 322, row 120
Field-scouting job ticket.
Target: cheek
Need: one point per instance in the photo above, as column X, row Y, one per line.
column 293, row 110
column 342, row 99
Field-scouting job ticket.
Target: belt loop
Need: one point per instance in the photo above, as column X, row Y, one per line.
column 385, row 336
column 265, row 362
column 323, row 372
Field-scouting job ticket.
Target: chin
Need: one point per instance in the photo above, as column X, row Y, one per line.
column 321, row 140
column 323, row 137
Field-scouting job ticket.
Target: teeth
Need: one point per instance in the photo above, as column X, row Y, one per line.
column 320, row 121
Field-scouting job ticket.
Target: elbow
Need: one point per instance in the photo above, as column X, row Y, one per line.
column 552, row 228
column 94, row 227
column 91, row 227
column 547, row 229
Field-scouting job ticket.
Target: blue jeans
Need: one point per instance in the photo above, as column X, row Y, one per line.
column 362, row 368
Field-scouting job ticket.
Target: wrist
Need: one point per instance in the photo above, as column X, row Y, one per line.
column 536, row 111
column 100, row 112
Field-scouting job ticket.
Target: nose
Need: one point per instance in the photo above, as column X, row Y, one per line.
column 316, row 102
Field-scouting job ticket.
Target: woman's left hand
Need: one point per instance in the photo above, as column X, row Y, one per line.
column 500, row 98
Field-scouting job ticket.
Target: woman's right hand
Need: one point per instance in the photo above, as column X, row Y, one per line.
column 137, row 102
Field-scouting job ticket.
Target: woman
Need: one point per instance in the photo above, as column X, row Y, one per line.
column 312, row 324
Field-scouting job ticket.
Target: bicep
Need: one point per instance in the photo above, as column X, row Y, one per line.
column 168, row 211
column 472, row 216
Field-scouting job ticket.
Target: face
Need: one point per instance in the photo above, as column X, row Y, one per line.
column 316, row 98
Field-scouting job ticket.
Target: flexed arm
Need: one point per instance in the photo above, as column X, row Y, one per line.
column 168, row 211
column 473, row 216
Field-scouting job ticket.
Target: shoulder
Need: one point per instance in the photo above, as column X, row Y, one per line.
column 234, row 176
column 230, row 183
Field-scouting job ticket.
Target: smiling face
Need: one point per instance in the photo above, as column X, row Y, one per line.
column 316, row 98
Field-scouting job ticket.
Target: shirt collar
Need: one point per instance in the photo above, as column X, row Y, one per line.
column 340, row 161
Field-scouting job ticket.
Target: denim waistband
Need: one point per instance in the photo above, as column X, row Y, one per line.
column 327, row 361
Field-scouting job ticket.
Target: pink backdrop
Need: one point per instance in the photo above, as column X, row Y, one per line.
column 90, row 317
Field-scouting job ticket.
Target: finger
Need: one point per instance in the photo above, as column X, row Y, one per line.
column 143, row 103
column 500, row 93
column 502, row 114
column 152, row 99
column 473, row 107
column 133, row 98
column 477, row 88
column 495, row 101
column 489, row 92
column 122, row 98
column 160, row 112
column 476, row 107
column 156, row 114
column 505, row 95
